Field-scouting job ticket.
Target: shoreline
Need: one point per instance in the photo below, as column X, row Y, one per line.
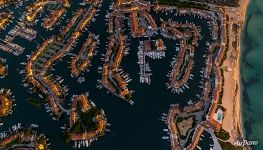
column 244, row 4
column 244, row 9
column 233, row 118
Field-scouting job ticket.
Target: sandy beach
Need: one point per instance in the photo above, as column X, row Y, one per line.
column 231, row 98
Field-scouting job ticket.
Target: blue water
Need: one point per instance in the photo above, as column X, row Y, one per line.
column 252, row 73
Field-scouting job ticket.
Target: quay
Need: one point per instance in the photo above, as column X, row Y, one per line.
column 155, row 49
column 82, row 61
column 54, row 17
column 188, row 34
column 5, row 3
column 112, row 80
column 24, row 138
column 5, row 19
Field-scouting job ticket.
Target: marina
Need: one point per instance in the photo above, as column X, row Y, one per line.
column 158, row 58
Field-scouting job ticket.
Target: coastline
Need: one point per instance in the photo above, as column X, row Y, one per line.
column 232, row 85
column 244, row 4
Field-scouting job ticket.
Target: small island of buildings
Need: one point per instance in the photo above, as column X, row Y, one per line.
column 3, row 68
column 20, row 138
column 5, row 19
column 6, row 3
column 6, row 102
column 86, row 122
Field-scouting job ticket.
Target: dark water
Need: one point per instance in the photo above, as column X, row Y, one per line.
column 136, row 127
column 252, row 73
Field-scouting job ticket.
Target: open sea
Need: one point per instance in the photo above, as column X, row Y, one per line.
column 252, row 73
